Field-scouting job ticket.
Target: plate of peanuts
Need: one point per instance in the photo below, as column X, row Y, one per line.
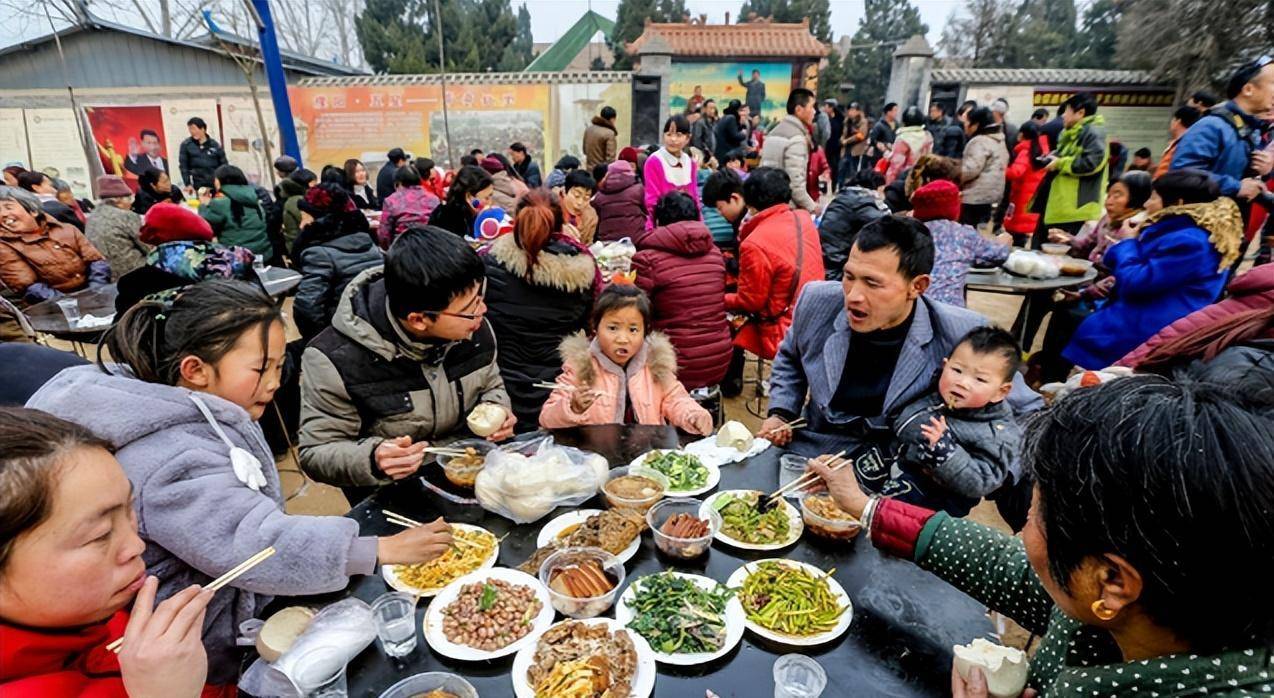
column 487, row 614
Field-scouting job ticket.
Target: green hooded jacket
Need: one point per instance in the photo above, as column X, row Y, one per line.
column 237, row 219
column 1078, row 188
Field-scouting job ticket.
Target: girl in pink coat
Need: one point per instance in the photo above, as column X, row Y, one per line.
column 670, row 168
column 623, row 376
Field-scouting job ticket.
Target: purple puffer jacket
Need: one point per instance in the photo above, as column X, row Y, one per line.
column 621, row 208
column 404, row 208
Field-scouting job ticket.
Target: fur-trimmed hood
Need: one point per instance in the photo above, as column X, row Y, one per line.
column 657, row 354
column 560, row 265
column 599, row 121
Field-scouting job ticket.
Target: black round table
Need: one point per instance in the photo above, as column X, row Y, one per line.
column 899, row 643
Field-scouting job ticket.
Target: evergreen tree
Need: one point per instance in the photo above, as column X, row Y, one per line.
column 400, row 36
column 1047, row 35
column 885, row 25
column 630, row 20
column 1095, row 43
column 819, row 13
column 831, row 76
column 391, row 44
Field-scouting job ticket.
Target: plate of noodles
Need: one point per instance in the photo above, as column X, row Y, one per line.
column 478, row 551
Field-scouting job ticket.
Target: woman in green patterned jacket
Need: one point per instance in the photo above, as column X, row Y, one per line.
column 1147, row 561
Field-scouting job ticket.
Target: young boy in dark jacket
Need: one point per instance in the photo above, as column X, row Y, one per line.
column 960, row 442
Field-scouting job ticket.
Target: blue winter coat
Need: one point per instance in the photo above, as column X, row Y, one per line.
column 1168, row 272
column 1212, row 144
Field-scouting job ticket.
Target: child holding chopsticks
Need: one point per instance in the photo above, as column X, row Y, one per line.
column 70, row 562
column 197, row 368
column 624, row 376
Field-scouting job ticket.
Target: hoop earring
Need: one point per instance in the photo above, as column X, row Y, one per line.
column 1100, row 610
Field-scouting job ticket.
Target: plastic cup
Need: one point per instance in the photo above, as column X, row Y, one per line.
column 70, row 308
column 798, row 676
column 320, row 673
column 791, row 467
column 395, row 617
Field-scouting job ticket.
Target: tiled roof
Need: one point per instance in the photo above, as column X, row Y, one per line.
column 1042, row 76
column 759, row 38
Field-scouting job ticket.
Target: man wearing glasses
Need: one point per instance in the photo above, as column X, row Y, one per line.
column 406, row 359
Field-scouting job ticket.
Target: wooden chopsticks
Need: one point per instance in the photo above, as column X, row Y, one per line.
column 219, row 582
column 554, row 386
column 797, row 423
column 400, row 520
column 442, row 451
column 808, row 478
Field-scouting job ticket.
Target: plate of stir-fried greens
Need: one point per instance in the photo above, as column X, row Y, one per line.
column 686, row 618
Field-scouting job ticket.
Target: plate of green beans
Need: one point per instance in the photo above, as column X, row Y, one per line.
column 791, row 602
column 746, row 527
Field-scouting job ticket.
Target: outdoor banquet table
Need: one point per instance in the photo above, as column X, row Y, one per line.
column 905, row 620
column 999, row 281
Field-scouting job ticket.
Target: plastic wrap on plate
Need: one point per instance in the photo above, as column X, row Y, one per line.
column 710, row 453
column 525, row 488
column 1031, row 264
column 614, row 256
column 345, row 627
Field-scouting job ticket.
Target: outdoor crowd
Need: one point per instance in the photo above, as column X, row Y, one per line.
column 834, row 248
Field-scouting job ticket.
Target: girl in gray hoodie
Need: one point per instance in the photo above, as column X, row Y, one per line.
column 198, row 366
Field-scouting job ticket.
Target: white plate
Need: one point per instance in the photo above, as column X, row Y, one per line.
column 391, row 577
column 643, row 678
column 548, row 534
column 734, row 623
column 736, row 581
column 710, row 453
column 794, row 523
column 714, row 475
column 433, row 615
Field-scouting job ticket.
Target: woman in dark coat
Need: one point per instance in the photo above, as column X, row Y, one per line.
column 154, row 186
column 469, row 193
column 333, row 247
column 683, row 272
column 621, row 209
column 540, row 288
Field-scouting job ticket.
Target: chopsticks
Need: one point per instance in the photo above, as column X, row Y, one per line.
column 441, row 451
column 807, row 479
column 554, row 386
column 400, row 520
column 216, row 584
column 797, row 423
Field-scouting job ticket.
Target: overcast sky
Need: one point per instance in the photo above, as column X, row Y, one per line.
column 551, row 18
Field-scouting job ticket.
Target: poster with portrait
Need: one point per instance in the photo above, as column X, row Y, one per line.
column 763, row 86
column 129, row 140
column 56, row 149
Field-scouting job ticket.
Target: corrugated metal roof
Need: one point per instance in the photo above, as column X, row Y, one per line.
column 759, row 38
column 1042, row 76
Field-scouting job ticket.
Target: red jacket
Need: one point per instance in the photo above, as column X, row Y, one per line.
column 683, row 272
column 817, row 166
column 1023, row 180
column 767, row 264
column 1251, row 291
column 621, row 207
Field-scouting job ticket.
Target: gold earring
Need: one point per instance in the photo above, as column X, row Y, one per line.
column 1100, row 610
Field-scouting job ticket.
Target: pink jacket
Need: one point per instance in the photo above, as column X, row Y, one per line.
column 657, row 184
column 650, row 380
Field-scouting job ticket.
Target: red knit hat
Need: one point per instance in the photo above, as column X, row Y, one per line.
column 166, row 222
column 628, row 153
column 937, row 200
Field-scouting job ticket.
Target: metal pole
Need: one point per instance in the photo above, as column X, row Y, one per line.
column 273, row 64
column 442, row 67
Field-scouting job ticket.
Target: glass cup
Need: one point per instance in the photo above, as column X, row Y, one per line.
column 395, row 617
column 70, row 307
column 258, row 263
column 798, row 676
column 320, row 673
column 791, row 467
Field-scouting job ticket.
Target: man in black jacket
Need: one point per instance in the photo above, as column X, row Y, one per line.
column 858, row 204
column 385, row 178
column 200, row 155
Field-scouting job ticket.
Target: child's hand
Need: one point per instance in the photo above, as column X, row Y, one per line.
column 700, row 423
column 934, row 430
column 398, row 458
column 582, row 399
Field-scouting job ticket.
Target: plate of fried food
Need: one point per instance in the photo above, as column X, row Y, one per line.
column 617, row 531
column 594, row 658
column 745, row 526
column 792, row 602
column 487, row 614
column 473, row 548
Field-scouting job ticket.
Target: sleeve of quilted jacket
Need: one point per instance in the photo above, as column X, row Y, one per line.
column 756, row 278
column 332, row 450
column 310, row 305
column 796, row 158
column 682, row 411
column 557, row 413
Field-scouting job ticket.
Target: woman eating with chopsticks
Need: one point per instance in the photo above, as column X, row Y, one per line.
column 197, row 368
column 70, row 562
column 1146, row 560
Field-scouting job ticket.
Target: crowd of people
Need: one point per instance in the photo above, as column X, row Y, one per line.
column 834, row 247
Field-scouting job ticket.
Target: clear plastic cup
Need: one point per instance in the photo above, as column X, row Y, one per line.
column 70, row 307
column 798, row 676
column 791, row 467
column 320, row 673
column 395, row 617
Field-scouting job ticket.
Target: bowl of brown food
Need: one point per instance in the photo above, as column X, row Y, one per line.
column 679, row 531
column 825, row 519
column 433, row 684
column 634, row 488
column 582, row 582
column 462, row 470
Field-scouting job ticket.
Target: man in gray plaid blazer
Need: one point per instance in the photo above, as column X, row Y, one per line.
column 859, row 350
